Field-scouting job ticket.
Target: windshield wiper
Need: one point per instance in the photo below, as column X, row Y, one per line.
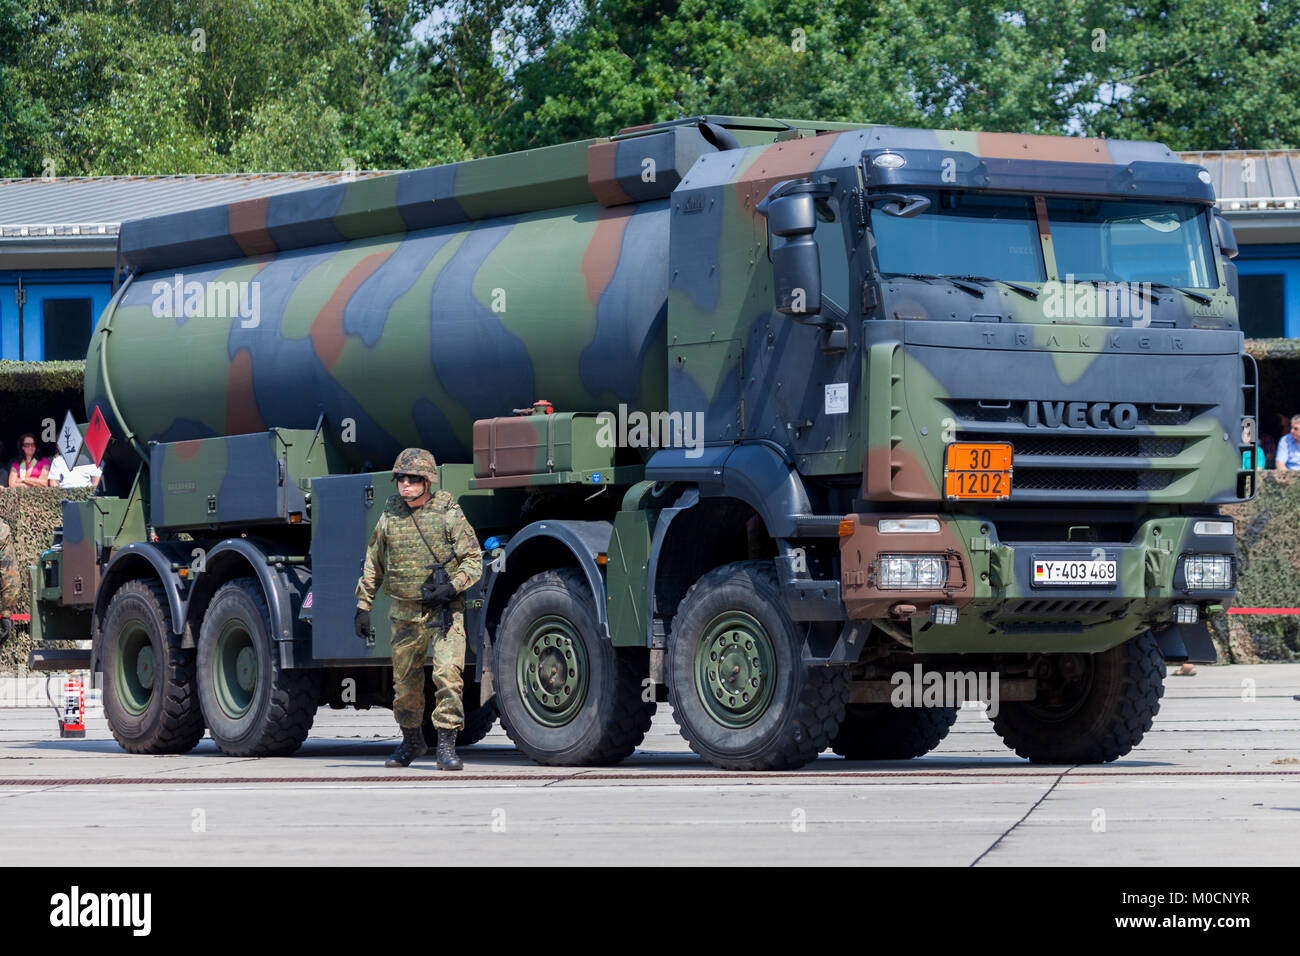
column 928, row 277
column 1194, row 296
column 1022, row 289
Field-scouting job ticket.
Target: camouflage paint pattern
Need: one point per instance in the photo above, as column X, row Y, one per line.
column 413, row 306
column 406, row 540
column 414, row 638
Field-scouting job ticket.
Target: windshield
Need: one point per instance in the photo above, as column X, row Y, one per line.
column 1111, row 240
column 963, row 233
column 1101, row 240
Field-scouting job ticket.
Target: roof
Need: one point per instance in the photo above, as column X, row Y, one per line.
column 1258, row 191
column 72, row 221
column 1252, row 179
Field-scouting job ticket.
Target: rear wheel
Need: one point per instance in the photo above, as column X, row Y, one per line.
column 252, row 705
column 150, row 699
column 886, row 732
column 741, row 694
column 1090, row 708
column 567, row 696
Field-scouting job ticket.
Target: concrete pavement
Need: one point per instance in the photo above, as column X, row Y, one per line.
column 1217, row 780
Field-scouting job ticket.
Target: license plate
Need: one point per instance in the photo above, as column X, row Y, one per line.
column 977, row 470
column 1064, row 572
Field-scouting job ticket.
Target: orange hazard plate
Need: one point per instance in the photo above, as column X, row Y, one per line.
column 977, row 470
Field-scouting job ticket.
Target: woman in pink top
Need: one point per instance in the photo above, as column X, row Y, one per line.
column 28, row 471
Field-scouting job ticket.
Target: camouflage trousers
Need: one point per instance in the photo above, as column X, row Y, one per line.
column 411, row 643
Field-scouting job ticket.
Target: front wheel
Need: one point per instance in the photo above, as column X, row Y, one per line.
column 566, row 695
column 253, row 706
column 1090, row 708
column 741, row 694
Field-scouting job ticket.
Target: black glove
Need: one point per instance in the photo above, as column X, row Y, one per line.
column 362, row 624
column 442, row 593
column 6, row 629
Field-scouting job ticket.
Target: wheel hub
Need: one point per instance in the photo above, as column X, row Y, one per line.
column 735, row 669
column 135, row 670
column 144, row 667
column 246, row 669
column 552, row 671
column 234, row 669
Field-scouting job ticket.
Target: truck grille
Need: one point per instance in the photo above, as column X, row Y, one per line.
column 1092, row 479
column 1086, row 445
column 1059, row 461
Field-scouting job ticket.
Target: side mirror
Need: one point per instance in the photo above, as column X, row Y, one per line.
column 900, row 206
column 1227, row 238
column 791, row 211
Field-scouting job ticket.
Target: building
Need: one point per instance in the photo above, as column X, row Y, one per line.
column 58, row 245
column 58, row 241
column 1259, row 194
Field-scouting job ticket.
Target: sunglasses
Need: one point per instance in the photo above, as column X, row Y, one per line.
column 409, row 479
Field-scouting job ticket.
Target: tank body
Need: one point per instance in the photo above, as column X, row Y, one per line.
column 398, row 340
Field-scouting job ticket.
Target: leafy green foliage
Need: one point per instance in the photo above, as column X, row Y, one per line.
column 176, row 86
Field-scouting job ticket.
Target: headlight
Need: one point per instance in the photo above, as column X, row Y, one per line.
column 1210, row 572
column 912, row 572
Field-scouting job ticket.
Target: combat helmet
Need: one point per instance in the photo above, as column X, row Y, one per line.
column 417, row 461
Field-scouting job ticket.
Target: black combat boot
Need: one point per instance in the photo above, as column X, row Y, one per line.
column 447, row 759
column 412, row 746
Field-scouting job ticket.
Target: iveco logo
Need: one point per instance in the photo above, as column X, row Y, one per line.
column 1081, row 415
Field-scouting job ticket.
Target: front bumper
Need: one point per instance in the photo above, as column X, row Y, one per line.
column 989, row 582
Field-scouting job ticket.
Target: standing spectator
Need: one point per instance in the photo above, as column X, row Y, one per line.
column 28, row 471
column 82, row 476
column 1267, row 447
column 1288, row 449
column 4, row 472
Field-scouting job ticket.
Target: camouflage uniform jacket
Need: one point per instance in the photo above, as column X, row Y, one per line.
column 398, row 556
column 9, row 583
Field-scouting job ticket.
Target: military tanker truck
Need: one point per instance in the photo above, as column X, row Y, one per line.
column 794, row 425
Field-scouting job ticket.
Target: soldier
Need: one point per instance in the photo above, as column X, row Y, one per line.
column 421, row 526
column 9, row 584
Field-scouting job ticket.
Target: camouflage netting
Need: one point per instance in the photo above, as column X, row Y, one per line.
column 32, row 514
column 1269, row 575
column 1268, row 349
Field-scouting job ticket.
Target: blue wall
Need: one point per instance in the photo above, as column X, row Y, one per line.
column 1283, row 260
column 42, row 286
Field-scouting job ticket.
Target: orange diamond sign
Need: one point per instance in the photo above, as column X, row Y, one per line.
column 97, row 436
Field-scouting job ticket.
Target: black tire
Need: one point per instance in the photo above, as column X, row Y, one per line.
column 273, row 716
column 157, row 713
column 611, row 716
column 886, row 732
column 479, row 718
column 1096, row 718
column 804, row 706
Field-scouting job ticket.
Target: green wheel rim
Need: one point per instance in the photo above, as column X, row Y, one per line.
column 735, row 669
column 552, row 671
column 136, row 669
column 235, row 669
